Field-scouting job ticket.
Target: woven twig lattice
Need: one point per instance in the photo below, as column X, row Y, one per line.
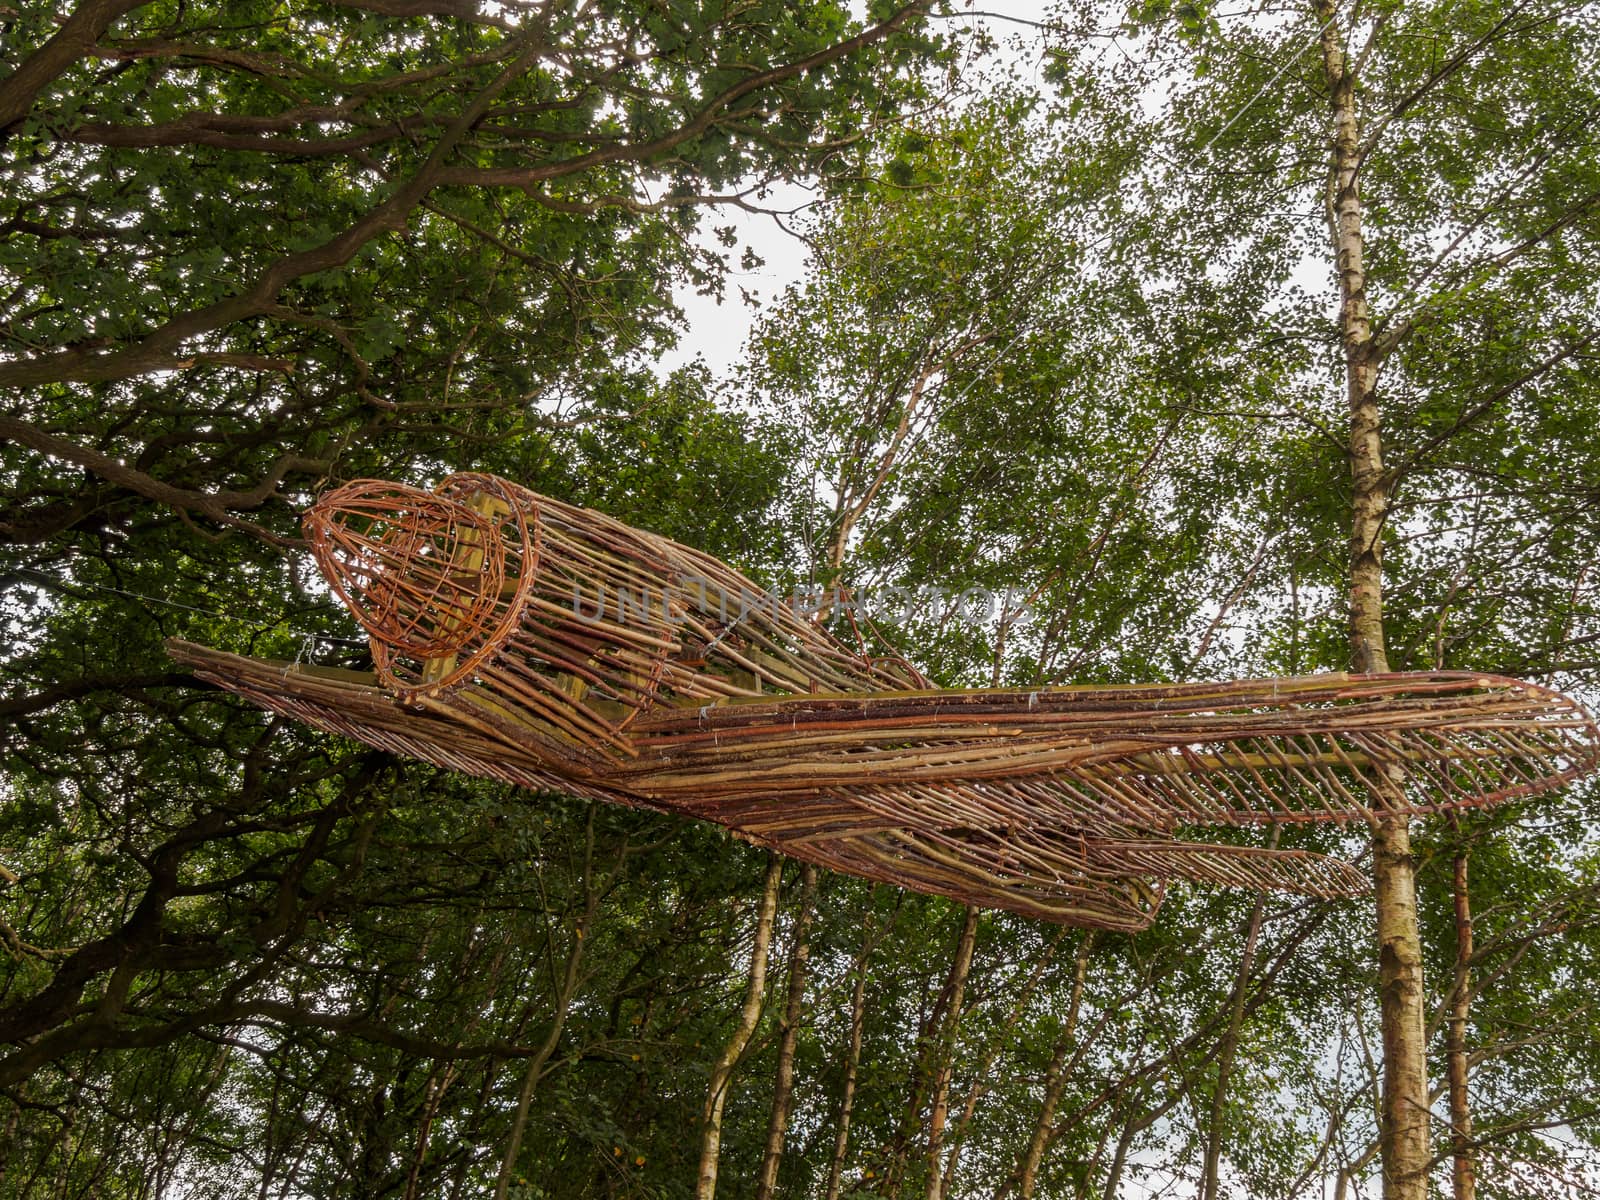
column 523, row 639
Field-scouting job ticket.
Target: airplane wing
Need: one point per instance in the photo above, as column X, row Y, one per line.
column 1147, row 757
column 1066, row 804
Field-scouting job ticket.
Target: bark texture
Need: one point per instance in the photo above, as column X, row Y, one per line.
column 1055, row 1078
column 939, row 1111
column 852, row 1064
column 749, row 1015
column 1464, row 1166
column 793, row 1012
column 1403, row 1117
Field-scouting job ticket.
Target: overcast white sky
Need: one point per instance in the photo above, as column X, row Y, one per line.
column 717, row 332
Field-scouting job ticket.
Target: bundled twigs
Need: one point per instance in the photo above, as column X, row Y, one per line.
column 550, row 646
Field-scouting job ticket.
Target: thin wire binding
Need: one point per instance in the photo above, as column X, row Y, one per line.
column 523, row 639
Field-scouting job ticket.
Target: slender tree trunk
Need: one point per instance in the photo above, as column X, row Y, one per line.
column 438, row 1084
column 540, row 1056
column 1134, row 1127
column 1055, row 1079
column 985, row 1072
column 793, row 1011
column 562, row 1004
column 1464, row 1174
column 1229, row 1046
column 1403, row 1128
column 944, row 1061
column 270, row 1152
column 749, row 1015
column 8, row 1139
column 1120, row 1157
column 923, row 1080
column 470, row 1133
column 852, row 1063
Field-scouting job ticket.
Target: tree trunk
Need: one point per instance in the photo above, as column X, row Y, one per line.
column 1403, row 1129
column 984, row 1075
column 535, row 1067
column 1134, row 1127
column 1464, row 1175
column 944, row 1060
column 1120, row 1158
column 852, row 1063
column 566, row 992
column 1055, row 1078
column 923, row 1079
column 439, row 1082
column 793, row 1010
column 1403, row 1122
column 1229, row 1046
column 722, row 1070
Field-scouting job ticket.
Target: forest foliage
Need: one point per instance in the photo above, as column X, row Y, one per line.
column 1069, row 327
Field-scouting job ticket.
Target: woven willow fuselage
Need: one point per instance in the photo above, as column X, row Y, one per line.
column 523, row 639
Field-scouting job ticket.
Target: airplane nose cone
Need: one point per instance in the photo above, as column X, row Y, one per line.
column 422, row 573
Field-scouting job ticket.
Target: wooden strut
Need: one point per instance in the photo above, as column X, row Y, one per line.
column 522, row 639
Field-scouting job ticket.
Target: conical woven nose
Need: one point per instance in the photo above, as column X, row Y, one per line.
column 421, row 573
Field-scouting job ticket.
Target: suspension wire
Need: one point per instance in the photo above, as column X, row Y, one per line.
column 1282, row 71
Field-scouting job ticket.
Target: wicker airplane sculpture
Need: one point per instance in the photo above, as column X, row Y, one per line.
column 550, row 646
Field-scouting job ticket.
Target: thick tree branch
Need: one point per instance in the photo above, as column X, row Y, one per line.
column 71, row 42
column 12, row 707
column 1445, row 70
column 471, row 11
column 216, row 505
column 529, row 177
column 153, row 351
column 1490, row 402
column 156, row 349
